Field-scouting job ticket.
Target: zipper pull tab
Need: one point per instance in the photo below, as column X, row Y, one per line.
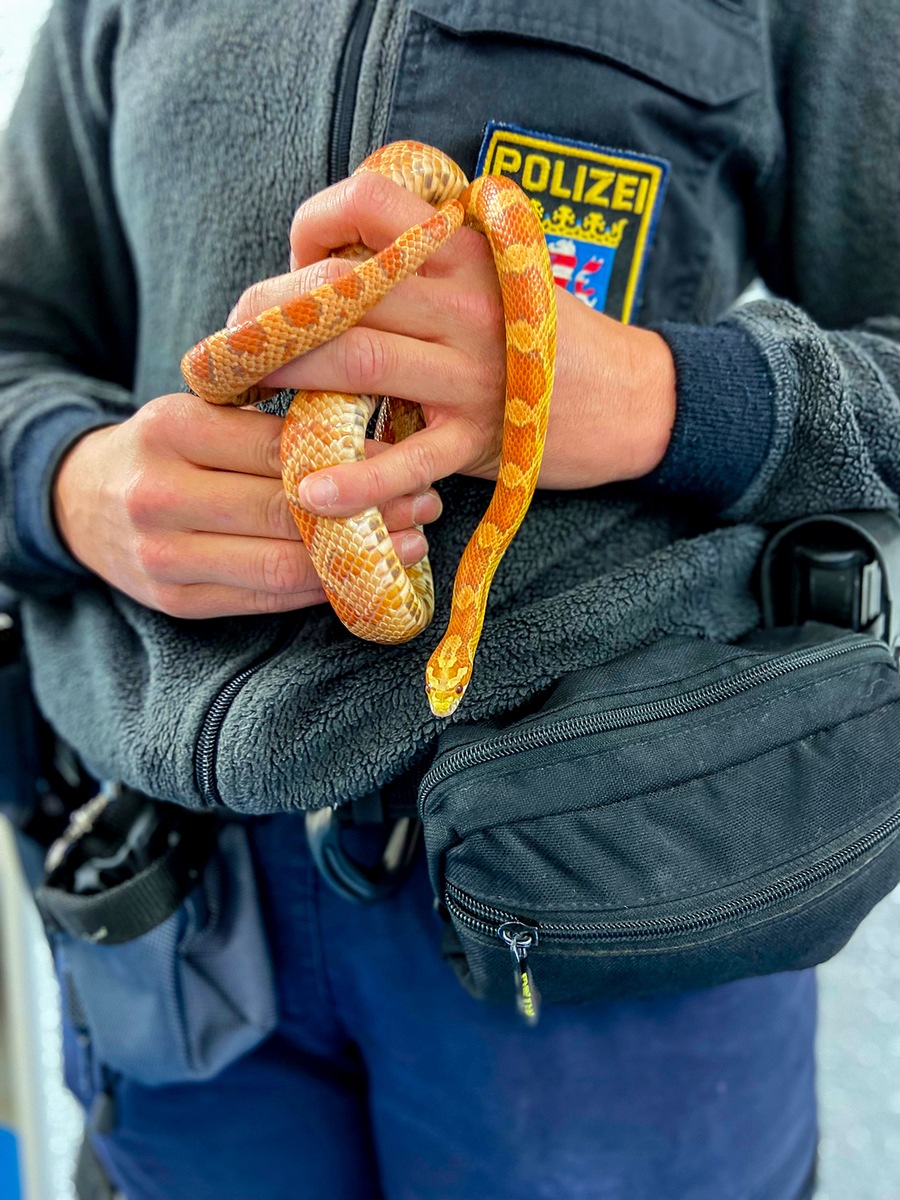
column 521, row 938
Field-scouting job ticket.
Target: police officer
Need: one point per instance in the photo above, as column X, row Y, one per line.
column 151, row 171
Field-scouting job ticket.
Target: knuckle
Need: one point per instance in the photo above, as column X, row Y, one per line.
column 282, row 569
column 368, row 189
column 254, row 300
column 365, row 359
column 168, row 422
column 421, row 465
column 170, row 600
column 267, row 602
column 155, row 556
column 151, row 423
column 148, row 499
column 327, row 270
column 478, row 308
column 138, row 501
column 276, row 516
column 398, row 208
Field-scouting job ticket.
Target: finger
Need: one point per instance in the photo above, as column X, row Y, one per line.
column 219, row 502
column 275, row 291
column 279, row 566
column 186, row 499
column 230, row 439
column 368, row 209
column 366, row 361
column 250, row 507
column 402, row 514
column 247, row 506
column 467, row 310
column 373, row 210
column 200, row 601
column 409, row 467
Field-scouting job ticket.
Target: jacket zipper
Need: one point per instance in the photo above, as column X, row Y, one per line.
column 522, row 934
column 345, row 96
column 517, row 741
column 207, row 745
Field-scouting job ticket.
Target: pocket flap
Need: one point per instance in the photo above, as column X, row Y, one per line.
column 707, row 56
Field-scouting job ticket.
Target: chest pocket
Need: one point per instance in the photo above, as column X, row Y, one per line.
column 674, row 79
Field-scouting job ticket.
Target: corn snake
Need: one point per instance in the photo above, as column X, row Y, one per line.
column 370, row 590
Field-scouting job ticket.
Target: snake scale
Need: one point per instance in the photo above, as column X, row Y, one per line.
column 370, row 590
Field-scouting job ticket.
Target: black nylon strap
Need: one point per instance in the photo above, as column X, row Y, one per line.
column 120, row 914
column 132, row 908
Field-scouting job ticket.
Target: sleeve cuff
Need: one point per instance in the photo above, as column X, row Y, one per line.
column 724, row 415
column 40, row 451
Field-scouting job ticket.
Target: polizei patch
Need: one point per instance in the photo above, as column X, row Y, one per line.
column 598, row 208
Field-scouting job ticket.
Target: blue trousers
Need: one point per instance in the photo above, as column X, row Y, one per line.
column 386, row 1081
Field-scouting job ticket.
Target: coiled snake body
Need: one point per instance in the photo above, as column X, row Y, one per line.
column 370, row 590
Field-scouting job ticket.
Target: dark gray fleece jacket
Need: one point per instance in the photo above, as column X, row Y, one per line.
column 150, row 173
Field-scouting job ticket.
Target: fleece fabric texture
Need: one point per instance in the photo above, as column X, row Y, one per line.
column 145, row 180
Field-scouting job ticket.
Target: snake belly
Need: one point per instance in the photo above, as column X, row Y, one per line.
column 372, row 593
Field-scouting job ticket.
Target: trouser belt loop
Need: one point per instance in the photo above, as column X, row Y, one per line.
column 394, row 806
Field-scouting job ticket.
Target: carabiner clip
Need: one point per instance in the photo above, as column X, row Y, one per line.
column 350, row 879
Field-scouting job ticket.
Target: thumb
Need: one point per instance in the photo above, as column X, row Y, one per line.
column 405, row 469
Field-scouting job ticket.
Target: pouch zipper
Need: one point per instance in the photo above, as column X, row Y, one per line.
column 345, row 96
column 516, row 741
column 495, row 922
column 207, row 745
column 522, row 934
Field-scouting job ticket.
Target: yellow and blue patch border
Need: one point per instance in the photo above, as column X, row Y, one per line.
column 655, row 170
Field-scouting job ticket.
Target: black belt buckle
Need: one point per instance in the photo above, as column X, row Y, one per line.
column 349, row 878
column 837, row 568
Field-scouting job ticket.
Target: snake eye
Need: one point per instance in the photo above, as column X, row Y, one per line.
column 459, row 689
column 427, row 687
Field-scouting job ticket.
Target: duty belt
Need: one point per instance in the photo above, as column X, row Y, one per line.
column 394, row 806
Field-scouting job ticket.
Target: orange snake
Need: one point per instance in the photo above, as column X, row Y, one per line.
column 369, row 589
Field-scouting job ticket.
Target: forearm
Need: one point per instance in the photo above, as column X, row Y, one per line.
column 44, row 410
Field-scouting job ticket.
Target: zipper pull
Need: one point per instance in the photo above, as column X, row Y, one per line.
column 521, row 938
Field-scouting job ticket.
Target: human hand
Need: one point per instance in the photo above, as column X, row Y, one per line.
column 438, row 339
column 182, row 508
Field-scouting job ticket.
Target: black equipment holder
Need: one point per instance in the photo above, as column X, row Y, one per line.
column 41, row 779
column 839, row 569
column 123, row 866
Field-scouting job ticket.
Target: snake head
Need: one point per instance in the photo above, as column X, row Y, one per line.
column 445, row 689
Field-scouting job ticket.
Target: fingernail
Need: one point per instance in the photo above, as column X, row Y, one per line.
column 413, row 547
column 318, row 491
column 232, row 317
column 426, row 508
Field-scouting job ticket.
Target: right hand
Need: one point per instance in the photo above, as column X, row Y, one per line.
column 182, row 508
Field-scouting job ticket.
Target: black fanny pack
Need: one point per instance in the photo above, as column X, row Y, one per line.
column 688, row 814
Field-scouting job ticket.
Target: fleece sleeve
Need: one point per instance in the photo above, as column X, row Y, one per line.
column 67, row 296
column 792, row 406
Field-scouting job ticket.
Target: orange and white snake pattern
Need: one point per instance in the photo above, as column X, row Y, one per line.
column 370, row 590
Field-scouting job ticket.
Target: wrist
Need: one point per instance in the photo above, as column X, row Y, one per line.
column 649, row 401
column 70, row 508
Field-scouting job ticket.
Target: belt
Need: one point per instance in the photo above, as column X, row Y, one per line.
column 394, row 806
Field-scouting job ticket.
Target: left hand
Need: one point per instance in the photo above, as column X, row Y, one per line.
column 438, row 339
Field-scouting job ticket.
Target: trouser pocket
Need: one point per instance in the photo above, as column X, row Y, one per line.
column 159, row 943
